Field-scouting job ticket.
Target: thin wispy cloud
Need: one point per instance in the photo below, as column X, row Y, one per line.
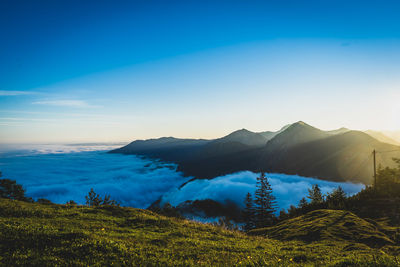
column 66, row 103
column 16, row 93
column 11, row 124
column 24, row 119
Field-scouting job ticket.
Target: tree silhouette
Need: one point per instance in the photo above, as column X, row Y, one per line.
column 265, row 202
column 249, row 213
column 303, row 203
column 315, row 195
column 107, row 201
column 93, row 199
column 10, row 189
column 337, row 198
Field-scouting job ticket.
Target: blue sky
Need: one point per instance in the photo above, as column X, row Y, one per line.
column 73, row 71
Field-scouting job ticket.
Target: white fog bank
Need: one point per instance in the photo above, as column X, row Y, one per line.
column 67, row 172
column 288, row 189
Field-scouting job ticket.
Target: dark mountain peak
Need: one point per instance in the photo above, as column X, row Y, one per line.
column 298, row 148
column 301, row 124
column 284, row 128
column 139, row 146
column 270, row 134
column 338, row 131
column 297, row 133
column 161, row 140
column 245, row 137
column 303, row 129
column 241, row 131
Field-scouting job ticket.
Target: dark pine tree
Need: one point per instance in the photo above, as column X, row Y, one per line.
column 249, row 213
column 265, row 202
column 107, row 201
column 10, row 189
column 303, row 203
column 93, row 199
column 336, row 199
column 315, row 195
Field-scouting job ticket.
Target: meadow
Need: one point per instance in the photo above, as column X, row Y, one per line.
column 36, row 234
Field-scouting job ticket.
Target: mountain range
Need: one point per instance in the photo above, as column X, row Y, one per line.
column 298, row 148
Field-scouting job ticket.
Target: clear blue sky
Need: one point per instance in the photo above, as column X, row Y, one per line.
column 73, row 71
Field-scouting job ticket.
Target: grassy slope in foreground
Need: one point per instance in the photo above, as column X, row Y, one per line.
column 50, row 235
column 338, row 225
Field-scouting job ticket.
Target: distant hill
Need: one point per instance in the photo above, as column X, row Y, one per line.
column 382, row 137
column 298, row 148
column 166, row 148
column 161, row 143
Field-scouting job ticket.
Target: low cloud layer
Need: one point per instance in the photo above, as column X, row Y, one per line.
column 288, row 189
column 67, row 172
column 14, row 150
column 61, row 177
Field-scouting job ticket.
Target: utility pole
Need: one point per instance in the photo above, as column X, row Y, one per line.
column 374, row 154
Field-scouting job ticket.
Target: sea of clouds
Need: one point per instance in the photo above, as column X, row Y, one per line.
column 288, row 189
column 62, row 173
column 67, row 172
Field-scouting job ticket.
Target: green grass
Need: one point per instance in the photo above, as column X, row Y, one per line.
column 34, row 234
column 337, row 225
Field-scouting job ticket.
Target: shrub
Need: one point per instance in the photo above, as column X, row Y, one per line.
column 10, row 189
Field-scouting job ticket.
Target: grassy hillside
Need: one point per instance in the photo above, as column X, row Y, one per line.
column 58, row 235
column 338, row 225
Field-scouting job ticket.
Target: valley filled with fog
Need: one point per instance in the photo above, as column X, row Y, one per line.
column 63, row 173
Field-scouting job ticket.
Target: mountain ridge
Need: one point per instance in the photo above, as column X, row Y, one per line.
column 382, row 137
column 298, row 148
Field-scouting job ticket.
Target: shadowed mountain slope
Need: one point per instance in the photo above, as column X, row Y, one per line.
column 165, row 148
column 382, row 137
column 343, row 157
column 269, row 135
column 338, row 131
column 244, row 137
column 338, row 155
column 195, row 150
column 295, row 134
